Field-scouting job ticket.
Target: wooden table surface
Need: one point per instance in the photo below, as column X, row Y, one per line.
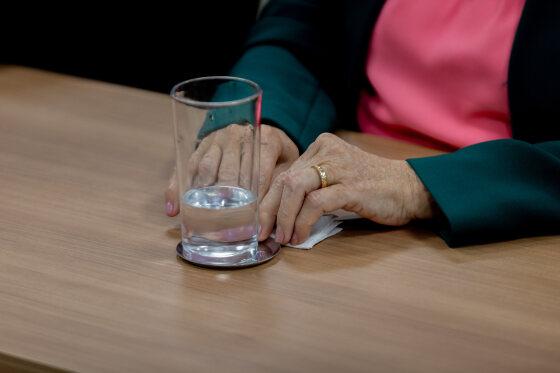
column 89, row 280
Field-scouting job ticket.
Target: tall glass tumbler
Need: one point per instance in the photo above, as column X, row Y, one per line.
column 217, row 141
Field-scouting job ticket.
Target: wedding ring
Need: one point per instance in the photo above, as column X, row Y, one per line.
column 322, row 175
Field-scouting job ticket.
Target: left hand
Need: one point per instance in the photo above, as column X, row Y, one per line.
column 220, row 159
column 383, row 190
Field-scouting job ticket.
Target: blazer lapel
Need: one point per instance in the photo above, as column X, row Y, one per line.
column 534, row 73
column 357, row 27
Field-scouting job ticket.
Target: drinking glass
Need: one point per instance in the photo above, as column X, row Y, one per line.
column 217, row 140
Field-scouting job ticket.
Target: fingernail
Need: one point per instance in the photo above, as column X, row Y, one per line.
column 279, row 235
column 294, row 240
column 169, row 208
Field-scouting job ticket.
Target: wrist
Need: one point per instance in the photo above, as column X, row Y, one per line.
column 420, row 201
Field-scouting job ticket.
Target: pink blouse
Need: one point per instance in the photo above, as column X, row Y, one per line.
column 439, row 70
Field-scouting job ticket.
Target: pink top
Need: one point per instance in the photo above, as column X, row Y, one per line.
column 440, row 71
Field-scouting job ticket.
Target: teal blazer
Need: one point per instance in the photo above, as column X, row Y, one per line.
column 309, row 58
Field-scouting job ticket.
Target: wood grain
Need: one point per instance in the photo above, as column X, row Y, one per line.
column 89, row 280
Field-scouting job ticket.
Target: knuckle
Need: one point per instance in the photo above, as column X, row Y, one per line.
column 207, row 140
column 266, row 130
column 235, row 129
column 325, row 137
column 283, row 215
column 291, row 181
column 314, row 199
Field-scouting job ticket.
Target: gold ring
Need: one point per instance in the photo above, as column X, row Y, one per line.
column 322, row 176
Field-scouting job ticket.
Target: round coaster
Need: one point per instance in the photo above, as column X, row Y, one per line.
column 263, row 253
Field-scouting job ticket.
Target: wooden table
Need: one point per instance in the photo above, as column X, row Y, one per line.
column 89, row 280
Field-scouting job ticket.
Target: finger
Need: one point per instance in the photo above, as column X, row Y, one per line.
column 208, row 166
column 172, row 196
column 315, row 146
column 316, row 204
column 297, row 184
column 282, row 167
column 228, row 173
column 194, row 160
column 246, row 167
column 269, row 206
column 267, row 169
column 172, row 203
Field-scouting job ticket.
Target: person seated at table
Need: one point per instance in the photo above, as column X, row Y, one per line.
column 478, row 78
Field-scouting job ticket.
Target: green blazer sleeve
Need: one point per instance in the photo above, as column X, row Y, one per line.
column 490, row 191
column 494, row 190
column 283, row 49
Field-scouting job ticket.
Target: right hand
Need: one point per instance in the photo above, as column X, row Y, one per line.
column 219, row 158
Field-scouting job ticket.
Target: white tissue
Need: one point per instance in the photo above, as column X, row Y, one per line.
column 326, row 226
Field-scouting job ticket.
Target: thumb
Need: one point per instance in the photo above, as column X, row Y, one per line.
column 172, row 196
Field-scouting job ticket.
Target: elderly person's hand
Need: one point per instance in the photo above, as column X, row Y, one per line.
column 383, row 190
column 219, row 158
